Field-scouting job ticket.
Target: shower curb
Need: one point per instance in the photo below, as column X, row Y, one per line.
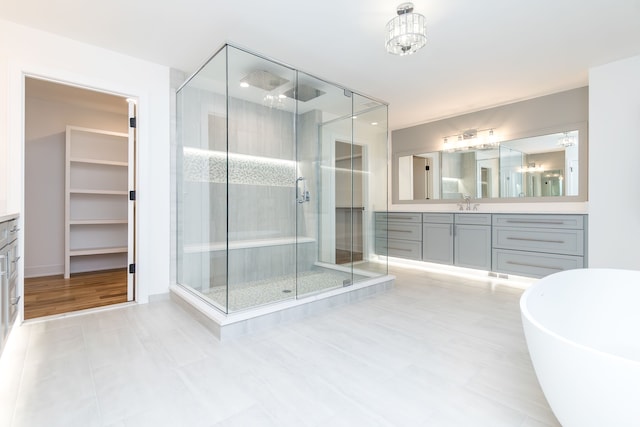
column 229, row 326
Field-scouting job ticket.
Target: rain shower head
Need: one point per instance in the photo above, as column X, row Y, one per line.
column 263, row 80
column 303, row 93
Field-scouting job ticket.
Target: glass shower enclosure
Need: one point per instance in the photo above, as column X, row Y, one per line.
column 278, row 176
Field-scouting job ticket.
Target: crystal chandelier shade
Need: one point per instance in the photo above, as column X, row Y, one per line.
column 407, row 32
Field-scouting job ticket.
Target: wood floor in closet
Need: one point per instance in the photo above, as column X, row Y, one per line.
column 45, row 296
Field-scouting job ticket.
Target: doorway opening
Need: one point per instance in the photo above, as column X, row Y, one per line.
column 79, row 208
column 349, row 202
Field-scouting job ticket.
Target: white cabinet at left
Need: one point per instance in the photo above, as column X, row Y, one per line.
column 97, row 200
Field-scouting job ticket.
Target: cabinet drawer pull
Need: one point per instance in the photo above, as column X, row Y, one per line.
column 524, row 264
column 535, row 240
column 399, row 249
column 391, row 218
column 533, row 221
column 15, row 301
column 399, row 231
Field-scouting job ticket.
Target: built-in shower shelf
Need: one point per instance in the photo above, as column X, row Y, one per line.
column 244, row 244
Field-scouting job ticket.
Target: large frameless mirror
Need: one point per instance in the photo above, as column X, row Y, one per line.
column 539, row 166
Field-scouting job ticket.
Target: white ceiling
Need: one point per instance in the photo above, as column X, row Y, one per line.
column 479, row 53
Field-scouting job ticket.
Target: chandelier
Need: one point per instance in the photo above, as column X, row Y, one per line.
column 407, row 32
column 567, row 140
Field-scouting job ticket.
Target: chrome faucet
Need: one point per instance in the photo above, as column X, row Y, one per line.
column 467, row 199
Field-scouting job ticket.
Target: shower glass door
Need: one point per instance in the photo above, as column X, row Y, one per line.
column 369, row 184
column 342, row 148
column 324, row 120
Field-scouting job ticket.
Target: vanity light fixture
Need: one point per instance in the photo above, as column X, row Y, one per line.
column 532, row 168
column 472, row 139
column 407, row 32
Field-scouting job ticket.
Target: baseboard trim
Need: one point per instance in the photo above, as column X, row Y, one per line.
column 43, row 270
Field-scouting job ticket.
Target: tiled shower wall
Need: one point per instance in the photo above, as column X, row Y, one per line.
column 261, row 194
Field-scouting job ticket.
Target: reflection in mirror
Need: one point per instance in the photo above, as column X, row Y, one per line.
column 540, row 166
column 488, row 177
column 419, row 176
column 474, row 173
column 458, row 174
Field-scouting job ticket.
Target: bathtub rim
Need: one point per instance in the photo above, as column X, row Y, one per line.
column 526, row 313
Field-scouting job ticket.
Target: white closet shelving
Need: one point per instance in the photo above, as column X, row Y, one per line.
column 96, row 204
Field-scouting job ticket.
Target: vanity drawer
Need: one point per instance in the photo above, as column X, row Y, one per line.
column 399, row 230
column 437, row 218
column 399, row 248
column 381, row 230
column 532, row 264
column 4, row 233
column 399, row 217
column 568, row 242
column 539, row 221
column 473, row 218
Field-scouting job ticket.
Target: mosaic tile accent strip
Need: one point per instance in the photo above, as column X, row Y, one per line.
column 211, row 166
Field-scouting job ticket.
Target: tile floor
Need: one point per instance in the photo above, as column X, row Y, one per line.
column 434, row 351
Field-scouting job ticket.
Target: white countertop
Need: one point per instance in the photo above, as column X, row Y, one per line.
column 501, row 212
column 7, row 217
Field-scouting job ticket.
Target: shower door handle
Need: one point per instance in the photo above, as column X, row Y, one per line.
column 302, row 194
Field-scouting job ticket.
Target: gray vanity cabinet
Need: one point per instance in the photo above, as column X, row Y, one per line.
column 538, row 245
column 398, row 234
column 472, row 241
column 437, row 237
column 530, row 245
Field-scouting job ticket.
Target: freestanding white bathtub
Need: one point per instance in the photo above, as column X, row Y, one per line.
column 583, row 332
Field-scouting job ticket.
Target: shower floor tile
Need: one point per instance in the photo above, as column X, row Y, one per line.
column 253, row 294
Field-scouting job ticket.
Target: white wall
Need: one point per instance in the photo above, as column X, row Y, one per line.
column 33, row 52
column 614, row 165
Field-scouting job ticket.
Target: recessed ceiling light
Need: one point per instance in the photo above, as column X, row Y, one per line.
column 244, row 84
column 374, row 123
